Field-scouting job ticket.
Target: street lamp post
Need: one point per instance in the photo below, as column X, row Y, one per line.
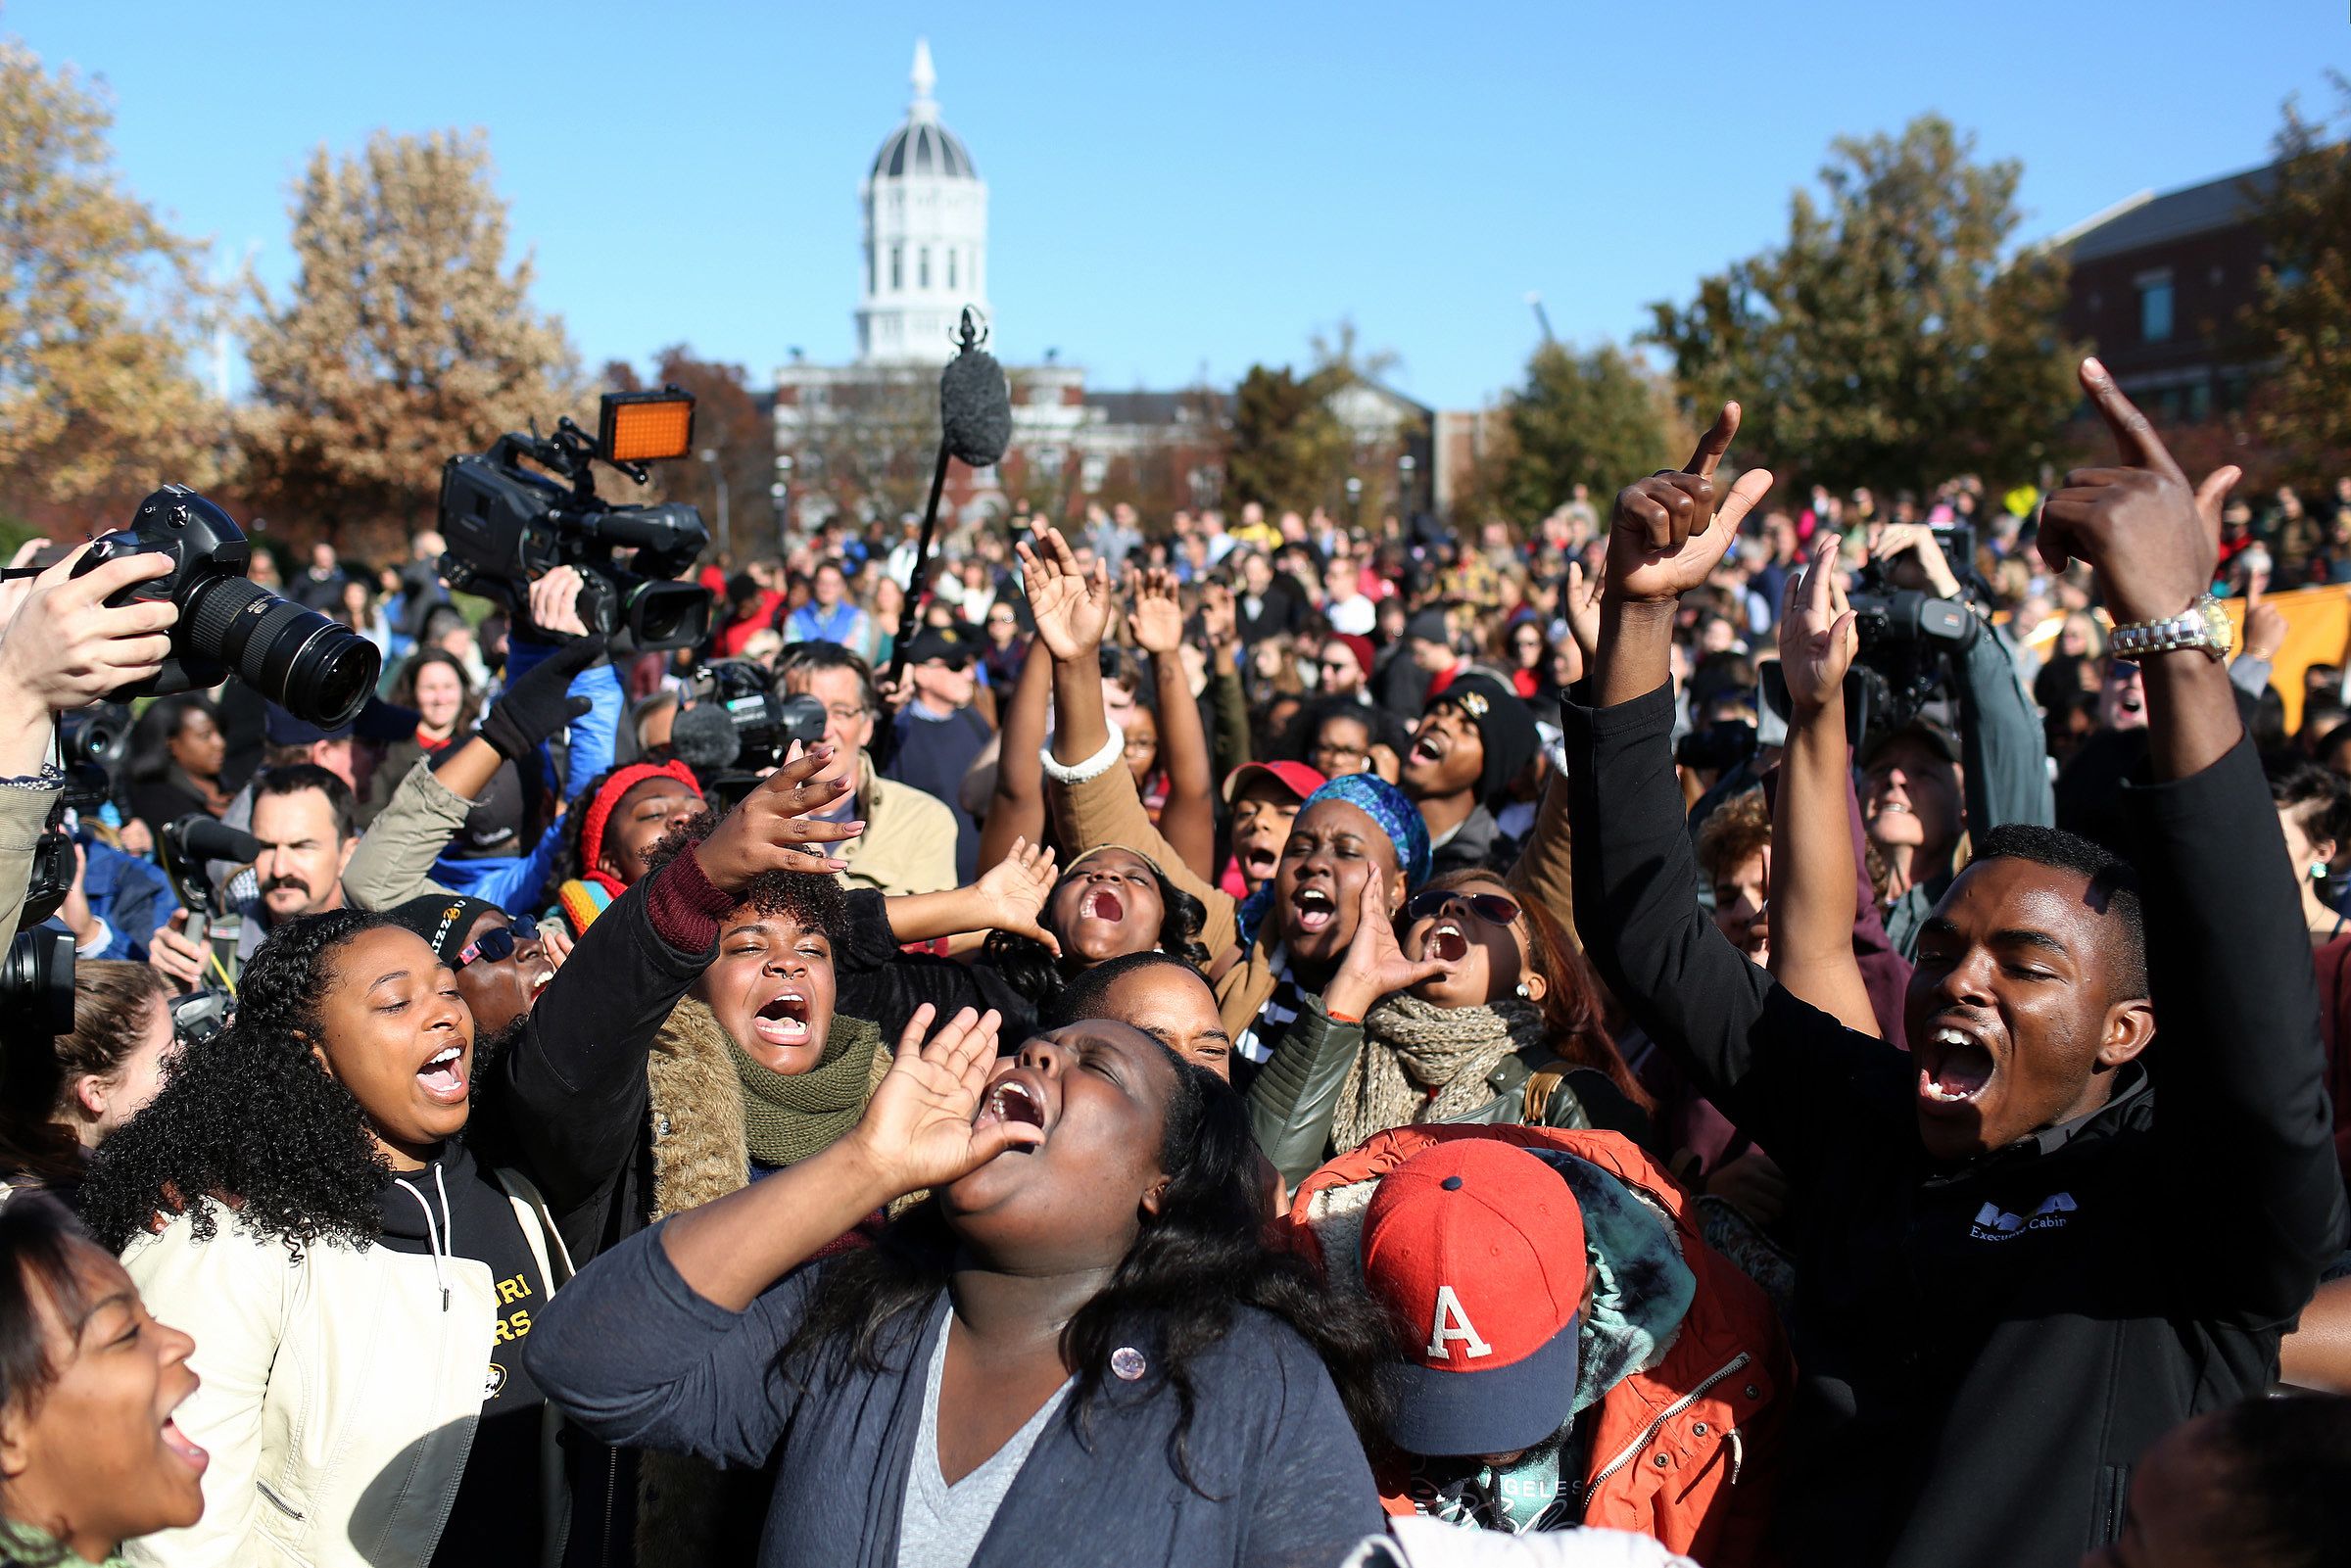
column 718, row 477
column 1404, row 487
column 781, row 490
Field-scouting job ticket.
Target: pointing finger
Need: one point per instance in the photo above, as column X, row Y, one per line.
column 2134, row 436
column 1714, row 443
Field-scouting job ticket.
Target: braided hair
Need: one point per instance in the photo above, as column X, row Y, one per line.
column 253, row 1116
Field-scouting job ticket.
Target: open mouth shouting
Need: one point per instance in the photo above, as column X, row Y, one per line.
column 1018, row 1096
column 1103, row 905
column 1446, row 943
column 1314, row 909
column 176, row 1444
column 783, row 1022
column 1430, row 746
column 1954, row 1069
column 444, row 1075
column 1259, row 862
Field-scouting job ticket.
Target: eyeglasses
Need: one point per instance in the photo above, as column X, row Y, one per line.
column 497, row 945
column 1340, row 754
column 847, row 715
column 1492, row 908
column 1342, row 665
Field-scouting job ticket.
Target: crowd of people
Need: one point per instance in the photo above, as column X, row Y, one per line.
column 1246, row 1041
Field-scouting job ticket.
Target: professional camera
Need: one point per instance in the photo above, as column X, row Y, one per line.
column 36, row 981
column 296, row 658
column 1905, row 635
column 201, row 1017
column 506, row 525
column 763, row 728
column 93, row 745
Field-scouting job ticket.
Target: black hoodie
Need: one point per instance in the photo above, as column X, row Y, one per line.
column 452, row 1209
column 1987, row 1351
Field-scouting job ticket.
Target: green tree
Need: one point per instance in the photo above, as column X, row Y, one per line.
column 1888, row 341
column 1287, row 448
column 1597, row 417
column 99, row 307
column 2302, row 312
column 405, row 337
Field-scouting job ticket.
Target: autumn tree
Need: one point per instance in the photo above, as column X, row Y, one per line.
column 1889, row 341
column 406, row 337
column 864, row 449
column 99, row 313
column 2304, row 209
column 1596, row 418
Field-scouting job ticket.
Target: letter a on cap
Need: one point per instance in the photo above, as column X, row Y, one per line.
column 1453, row 1323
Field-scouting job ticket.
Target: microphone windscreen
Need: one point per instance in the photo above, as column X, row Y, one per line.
column 205, row 839
column 974, row 409
column 703, row 738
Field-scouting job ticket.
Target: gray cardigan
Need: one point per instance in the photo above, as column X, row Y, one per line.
column 630, row 1351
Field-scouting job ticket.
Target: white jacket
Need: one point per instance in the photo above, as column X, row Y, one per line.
column 339, row 1398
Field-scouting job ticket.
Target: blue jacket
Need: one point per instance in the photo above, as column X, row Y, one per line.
column 515, row 882
column 133, row 897
column 631, row 1351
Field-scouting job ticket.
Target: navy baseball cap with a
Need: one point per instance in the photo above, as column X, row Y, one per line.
column 1475, row 1247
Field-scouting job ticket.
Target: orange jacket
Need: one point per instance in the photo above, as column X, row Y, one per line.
column 1687, row 1451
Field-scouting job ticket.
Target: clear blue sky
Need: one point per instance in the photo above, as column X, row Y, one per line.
column 1175, row 188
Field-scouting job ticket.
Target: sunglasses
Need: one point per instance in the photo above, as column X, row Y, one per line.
column 1492, row 908
column 498, row 945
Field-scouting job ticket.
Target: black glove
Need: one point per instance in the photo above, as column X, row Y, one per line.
column 539, row 704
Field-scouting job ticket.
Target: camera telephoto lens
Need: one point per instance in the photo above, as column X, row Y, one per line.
column 314, row 668
column 36, row 981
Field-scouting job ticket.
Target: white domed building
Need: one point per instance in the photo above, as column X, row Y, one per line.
column 926, row 236
column 865, row 434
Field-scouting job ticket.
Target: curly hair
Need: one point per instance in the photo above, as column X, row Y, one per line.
column 1032, row 970
column 253, row 1116
column 1199, row 1259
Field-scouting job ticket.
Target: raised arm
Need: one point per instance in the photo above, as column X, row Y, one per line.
column 2229, row 973
column 1189, row 819
column 1094, row 800
column 1812, row 876
column 1786, row 1072
column 1017, row 809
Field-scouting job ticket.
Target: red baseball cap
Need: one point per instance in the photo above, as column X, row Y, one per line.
column 1295, row 776
column 1476, row 1247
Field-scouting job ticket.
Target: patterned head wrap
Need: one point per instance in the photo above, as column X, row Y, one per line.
column 1385, row 804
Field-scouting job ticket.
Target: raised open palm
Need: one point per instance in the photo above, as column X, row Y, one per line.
column 917, row 1131
column 1818, row 637
column 1375, row 965
column 1070, row 605
column 1156, row 618
column 1016, row 888
column 1668, row 532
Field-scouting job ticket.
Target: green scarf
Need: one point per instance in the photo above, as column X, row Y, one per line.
column 789, row 1117
column 24, row 1543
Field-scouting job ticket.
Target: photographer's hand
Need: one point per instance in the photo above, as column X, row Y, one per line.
column 1920, row 540
column 554, row 603
column 169, row 951
column 66, row 647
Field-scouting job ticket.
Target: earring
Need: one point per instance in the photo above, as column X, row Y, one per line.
column 2318, row 871
column 1523, row 991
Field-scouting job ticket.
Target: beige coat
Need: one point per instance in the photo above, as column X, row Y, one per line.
column 339, row 1398
column 908, row 845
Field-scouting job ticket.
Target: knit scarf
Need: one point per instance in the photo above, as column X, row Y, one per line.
column 789, row 1117
column 1426, row 1063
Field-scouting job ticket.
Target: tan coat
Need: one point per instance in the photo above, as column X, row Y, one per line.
column 908, row 845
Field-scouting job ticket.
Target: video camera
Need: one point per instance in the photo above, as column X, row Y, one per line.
column 1907, row 632
column 506, row 525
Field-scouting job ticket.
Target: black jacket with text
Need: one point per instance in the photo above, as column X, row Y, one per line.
column 1987, row 1350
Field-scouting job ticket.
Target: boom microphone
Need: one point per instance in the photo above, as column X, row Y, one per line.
column 199, row 837
column 704, row 738
column 975, row 405
column 975, row 419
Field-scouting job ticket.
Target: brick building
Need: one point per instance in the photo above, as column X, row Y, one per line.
column 2159, row 288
